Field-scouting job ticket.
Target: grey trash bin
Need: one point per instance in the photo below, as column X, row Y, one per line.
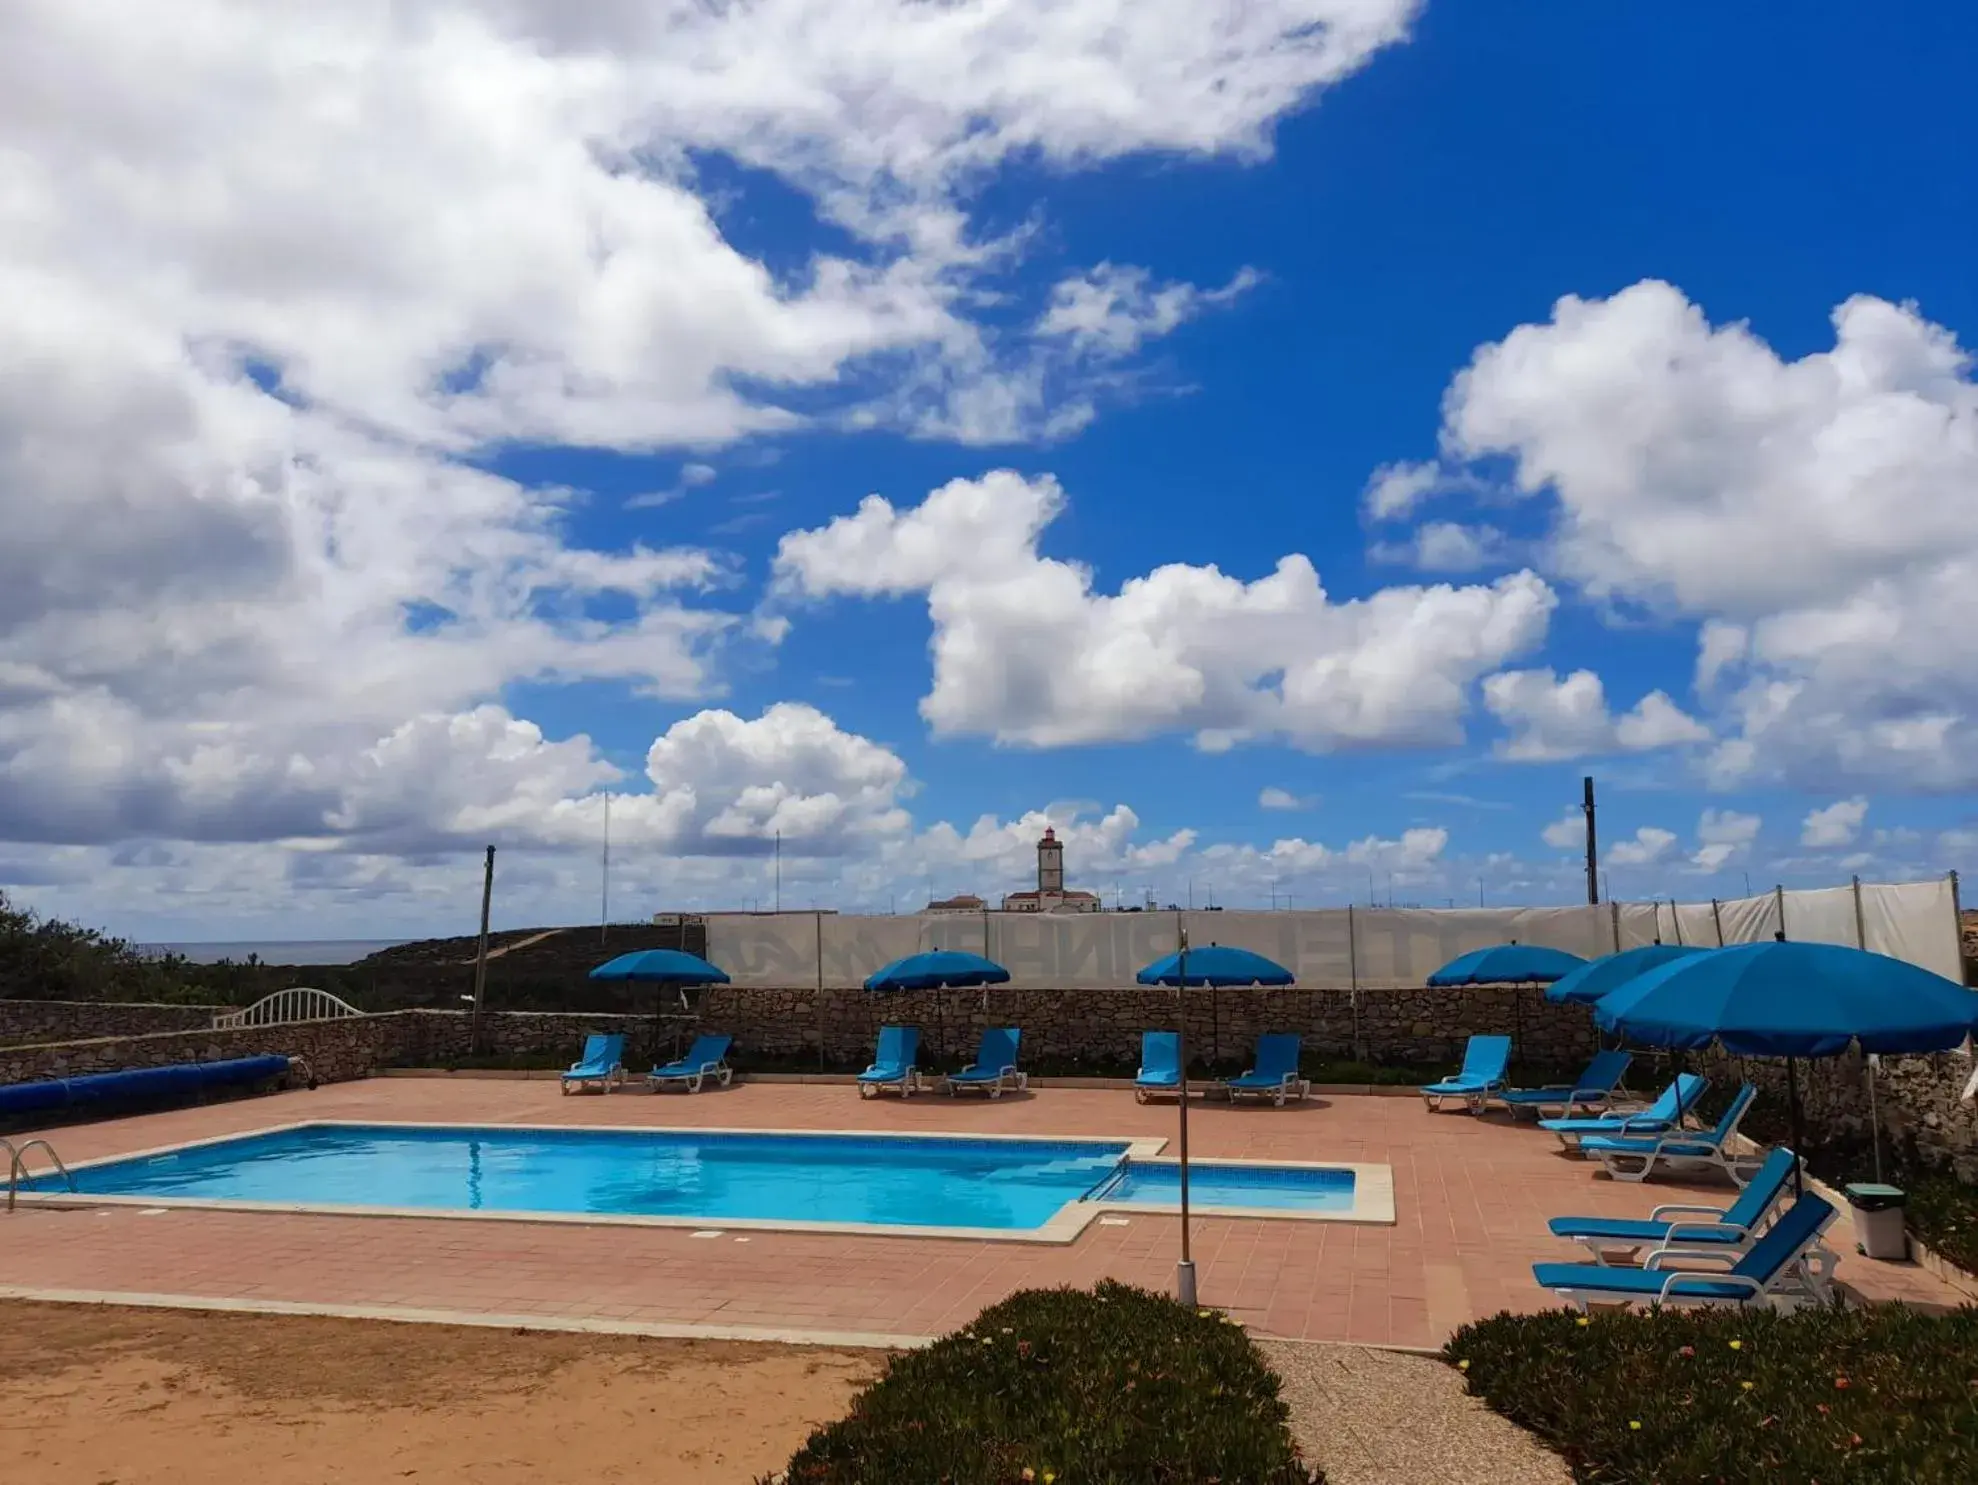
column 1878, row 1220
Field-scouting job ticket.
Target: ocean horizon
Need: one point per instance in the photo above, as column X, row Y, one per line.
column 279, row 951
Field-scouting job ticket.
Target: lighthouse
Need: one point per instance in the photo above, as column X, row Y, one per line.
column 1050, row 864
column 1051, row 895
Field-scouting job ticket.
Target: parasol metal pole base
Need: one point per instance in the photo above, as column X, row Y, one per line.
column 1184, row 1282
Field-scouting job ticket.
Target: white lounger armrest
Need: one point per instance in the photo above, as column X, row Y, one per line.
column 1674, row 1139
column 1668, row 1209
column 1700, row 1255
column 1630, row 1121
column 1672, row 1288
column 1679, row 1230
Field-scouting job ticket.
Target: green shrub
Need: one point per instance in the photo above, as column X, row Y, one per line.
column 1943, row 1213
column 1869, row 1395
column 1113, row 1387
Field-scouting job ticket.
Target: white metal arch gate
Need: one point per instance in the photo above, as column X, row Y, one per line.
column 298, row 1003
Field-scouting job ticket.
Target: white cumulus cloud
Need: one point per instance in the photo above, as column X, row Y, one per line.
column 1567, row 832
column 1026, row 651
column 1838, row 824
column 1112, row 310
column 1813, row 515
column 1552, row 719
column 1648, row 846
column 1271, row 797
column 1723, row 835
column 277, row 280
column 1447, row 546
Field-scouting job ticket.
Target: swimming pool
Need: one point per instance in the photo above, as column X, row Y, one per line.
column 1035, row 1189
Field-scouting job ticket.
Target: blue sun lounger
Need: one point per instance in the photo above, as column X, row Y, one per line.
column 1733, row 1228
column 1786, row 1266
column 1160, row 1065
column 1591, row 1090
column 893, row 1063
column 706, row 1058
column 602, row 1064
column 1482, row 1076
column 994, row 1067
column 1665, row 1113
column 1634, row 1158
column 1275, row 1075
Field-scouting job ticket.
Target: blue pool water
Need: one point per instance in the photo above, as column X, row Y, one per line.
column 884, row 1180
column 1278, row 1188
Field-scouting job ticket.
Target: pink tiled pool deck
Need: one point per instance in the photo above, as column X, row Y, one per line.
column 1471, row 1198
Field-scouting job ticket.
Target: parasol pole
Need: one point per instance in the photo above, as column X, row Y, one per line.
column 1792, row 1106
column 1184, row 1273
column 1868, row 1058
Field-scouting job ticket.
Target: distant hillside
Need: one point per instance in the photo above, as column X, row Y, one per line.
column 542, row 948
column 528, row 969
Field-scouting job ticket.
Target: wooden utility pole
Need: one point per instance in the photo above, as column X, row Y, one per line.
column 481, row 954
column 1593, row 849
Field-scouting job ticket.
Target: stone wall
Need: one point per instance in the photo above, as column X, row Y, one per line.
column 351, row 1047
column 1920, row 1101
column 1102, row 1027
column 26, row 1021
column 1918, row 1105
column 439, row 1038
column 335, row 1050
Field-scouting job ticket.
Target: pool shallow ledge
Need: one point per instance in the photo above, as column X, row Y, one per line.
column 1372, row 1204
column 1373, row 1188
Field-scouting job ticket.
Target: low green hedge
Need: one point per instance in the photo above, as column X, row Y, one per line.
column 1116, row 1386
column 1882, row 1394
column 1943, row 1214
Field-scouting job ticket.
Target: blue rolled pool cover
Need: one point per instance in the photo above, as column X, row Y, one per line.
column 136, row 1083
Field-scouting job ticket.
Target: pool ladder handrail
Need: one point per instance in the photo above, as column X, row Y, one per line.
column 1100, row 1189
column 17, row 1166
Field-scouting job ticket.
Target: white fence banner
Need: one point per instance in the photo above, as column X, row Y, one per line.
column 1825, row 915
column 1749, row 920
column 772, row 949
column 1644, row 923
column 1367, row 948
column 1080, row 951
column 1916, row 921
column 1696, row 925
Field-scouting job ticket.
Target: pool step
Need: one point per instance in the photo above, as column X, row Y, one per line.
column 1078, row 1165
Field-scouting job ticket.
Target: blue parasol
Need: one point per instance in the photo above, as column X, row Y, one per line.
column 1599, row 977
column 1507, row 964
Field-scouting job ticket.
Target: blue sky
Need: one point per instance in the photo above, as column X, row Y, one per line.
column 1453, row 189
column 1333, row 263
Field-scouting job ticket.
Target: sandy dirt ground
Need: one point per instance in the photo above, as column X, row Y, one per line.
column 107, row 1396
